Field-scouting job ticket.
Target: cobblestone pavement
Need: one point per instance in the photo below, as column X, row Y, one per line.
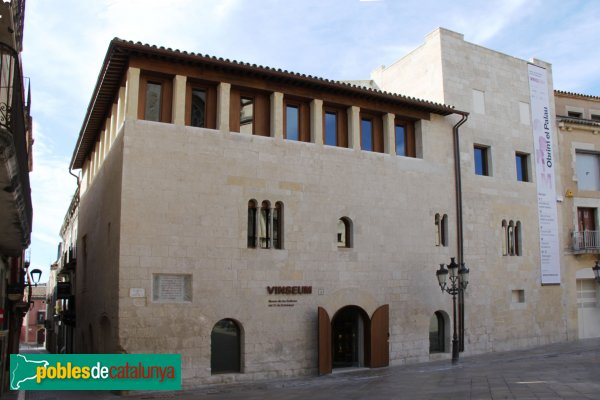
column 559, row 371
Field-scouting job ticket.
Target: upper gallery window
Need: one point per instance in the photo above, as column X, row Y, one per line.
column 404, row 132
column 249, row 112
column 297, row 120
column 153, row 101
column 574, row 114
column 335, row 132
column 371, row 132
column 155, row 98
column 201, row 109
column 247, row 115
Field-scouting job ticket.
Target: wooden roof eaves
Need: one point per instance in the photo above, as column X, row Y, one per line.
column 119, row 51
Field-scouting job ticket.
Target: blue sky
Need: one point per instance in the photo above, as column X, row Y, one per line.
column 65, row 43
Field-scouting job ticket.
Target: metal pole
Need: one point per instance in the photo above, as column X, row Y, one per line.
column 454, row 336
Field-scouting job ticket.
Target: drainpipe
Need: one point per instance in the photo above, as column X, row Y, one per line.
column 459, row 225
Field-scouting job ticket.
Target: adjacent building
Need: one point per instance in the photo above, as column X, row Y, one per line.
column 33, row 331
column 265, row 223
column 15, row 196
column 578, row 119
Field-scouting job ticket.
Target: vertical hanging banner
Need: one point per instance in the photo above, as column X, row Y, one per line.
column 544, row 168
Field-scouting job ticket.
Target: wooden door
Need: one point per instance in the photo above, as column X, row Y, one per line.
column 324, row 328
column 380, row 328
column 587, row 219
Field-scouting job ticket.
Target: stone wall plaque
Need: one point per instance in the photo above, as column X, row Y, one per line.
column 172, row 288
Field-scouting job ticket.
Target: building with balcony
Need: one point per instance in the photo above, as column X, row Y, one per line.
column 578, row 119
column 265, row 223
column 15, row 193
column 60, row 293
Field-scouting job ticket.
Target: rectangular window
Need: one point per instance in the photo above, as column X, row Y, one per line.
column 335, row 125
column 595, row 117
column 247, row 115
column 153, row 101
column 331, row 129
column 201, row 105
column 366, row 134
column 249, row 112
column 296, row 119
column 588, row 171
column 198, row 112
column 400, row 140
column 574, row 114
column 41, row 317
column 292, row 123
column 481, row 160
column 522, row 167
column 155, row 98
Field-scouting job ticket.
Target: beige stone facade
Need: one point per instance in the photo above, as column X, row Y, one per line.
column 164, row 253
column 578, row 118
column 506, row 305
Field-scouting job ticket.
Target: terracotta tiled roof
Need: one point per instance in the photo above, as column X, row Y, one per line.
column 583, row 96
column 115, row 64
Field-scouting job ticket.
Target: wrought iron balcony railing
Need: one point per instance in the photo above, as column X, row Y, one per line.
column 586, row 241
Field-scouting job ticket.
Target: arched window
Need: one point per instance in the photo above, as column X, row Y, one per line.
column 225, row 347
column 437, row 333
column 278, row 226
column 344, row 232
column 504, row 238
column 444, row 231
column 252, row 206
column 438, row 231
column 518, row 239
column 511, row 238
column 264, row 225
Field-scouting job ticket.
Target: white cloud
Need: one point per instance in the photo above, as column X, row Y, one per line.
column 52, row 190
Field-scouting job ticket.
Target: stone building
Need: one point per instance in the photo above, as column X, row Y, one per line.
column 15, row 197
column 578, row 118
column 264, row 223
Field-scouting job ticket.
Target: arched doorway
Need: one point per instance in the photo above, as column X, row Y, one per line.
column 225, row 347
column 439, row 328
column 349, row 334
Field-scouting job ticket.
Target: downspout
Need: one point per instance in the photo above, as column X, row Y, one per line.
column 459, row 225
column 458, row 187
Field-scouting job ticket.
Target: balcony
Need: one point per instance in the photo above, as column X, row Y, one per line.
column 69, row 259
column 15, row 149
column 586, row 242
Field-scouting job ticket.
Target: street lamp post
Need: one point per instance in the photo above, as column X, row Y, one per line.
column 596, row 269
column 459, row 279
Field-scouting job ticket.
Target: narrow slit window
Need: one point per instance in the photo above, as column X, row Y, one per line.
column 252, row 224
